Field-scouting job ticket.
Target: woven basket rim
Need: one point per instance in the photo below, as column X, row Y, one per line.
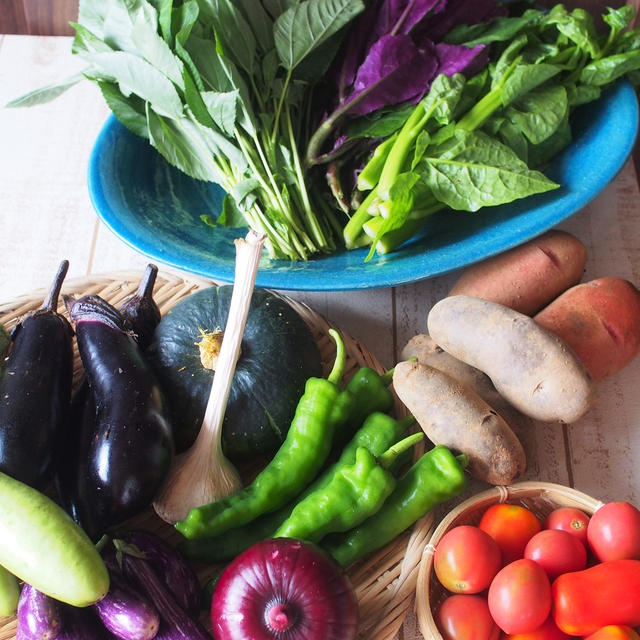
column 384, row 582
column 558, row 494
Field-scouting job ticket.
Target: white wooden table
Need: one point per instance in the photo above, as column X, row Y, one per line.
column 46, row 215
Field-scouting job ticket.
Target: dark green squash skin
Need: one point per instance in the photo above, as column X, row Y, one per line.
column 278, row 354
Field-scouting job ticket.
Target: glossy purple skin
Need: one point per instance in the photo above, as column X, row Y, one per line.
column 283, row 588
column 82, row 624
column 39, row 616
column 176, row 623
column 176, row 574
column 126, row 613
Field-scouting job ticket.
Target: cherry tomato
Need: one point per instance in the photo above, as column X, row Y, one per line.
column 556, row 552
column 568, row 519
column 547, row 631
column 466, row 559
column 466, row 617
column 614, row 532
column 520, row 597
column 614, row 632
column 511, row 526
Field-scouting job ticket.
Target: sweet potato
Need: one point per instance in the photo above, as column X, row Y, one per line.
column 527, row 277
column 600, row 321
column 424, row 348
column 455, row 416
column 531, row 367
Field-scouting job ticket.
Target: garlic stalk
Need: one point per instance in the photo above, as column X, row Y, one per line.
column 203, row 474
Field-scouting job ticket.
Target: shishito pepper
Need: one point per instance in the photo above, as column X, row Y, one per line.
column 377, row 434
column 437, row 476
column 293, row 467
column 354, row 493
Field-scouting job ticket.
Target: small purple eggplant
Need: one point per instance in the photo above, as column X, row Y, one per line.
column 125, row 613
column 176, row 623
column 82, row 624
column 39, row 616
column 169, row 565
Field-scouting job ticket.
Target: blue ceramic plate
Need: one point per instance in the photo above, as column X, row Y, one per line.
column 156, row 209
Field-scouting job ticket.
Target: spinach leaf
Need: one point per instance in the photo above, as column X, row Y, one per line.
column 478, row 171
column 130, row 111
column 607, row 70
column 525, row 78
column 306, row 25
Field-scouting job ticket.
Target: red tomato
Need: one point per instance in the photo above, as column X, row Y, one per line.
column 606, row 593
column 556, row 552
column 614, row 632
column 466, row 559
column 614, row 532
column 466, row 617
column 547, row 631
column 511, row 526
column 568, row 519
column 520, row 597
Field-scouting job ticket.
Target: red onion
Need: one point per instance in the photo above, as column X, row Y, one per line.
column 284, row 588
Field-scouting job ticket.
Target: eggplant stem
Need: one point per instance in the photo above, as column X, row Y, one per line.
column 145, row 288
column 51, row 301
column 203, row 474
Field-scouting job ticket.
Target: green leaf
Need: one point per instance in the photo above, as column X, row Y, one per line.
column 184, row 20
column 539, row 113
column 165, row 11
column 443, row 97
column 130, row 111
column 379, row 124
column 156, row 51
column 306, row 25
column 235, row 35
column 222, row 107
column 620, row 18
column 195, row 102
column 480, row 171
column 578, row 26
column 231, row 216
column 45, row 94
column 502, row 29
column 607, row 70
column 277, row 7
column 243, row 190
column 136, row 75
column 260, row 21
column 540, row 154
column 86, row 41
column 582, row 94
column 524, row 78
column 193, row 148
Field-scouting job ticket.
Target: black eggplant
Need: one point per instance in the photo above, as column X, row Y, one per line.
column 140, row 312
column 141, row 316
column 125, row 454
column 35, row 390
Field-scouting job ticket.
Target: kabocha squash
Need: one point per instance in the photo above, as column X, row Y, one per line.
column 278, row 354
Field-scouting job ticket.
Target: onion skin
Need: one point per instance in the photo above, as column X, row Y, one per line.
column 284, row 588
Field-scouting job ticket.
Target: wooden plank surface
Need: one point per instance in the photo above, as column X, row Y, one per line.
column 46, row 215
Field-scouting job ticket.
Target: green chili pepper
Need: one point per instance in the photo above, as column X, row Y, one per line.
column 437, row 476
column 378, row 432
column 354, row 493
column 370, row 393
column 292, row 468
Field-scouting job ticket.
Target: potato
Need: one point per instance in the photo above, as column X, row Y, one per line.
column 424, row 348
column 455, row 416
column 527, row 277
column 531, row 367
column 600, row 321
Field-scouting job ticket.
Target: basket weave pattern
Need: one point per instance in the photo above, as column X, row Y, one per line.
column 384, row 583
column 539, row 497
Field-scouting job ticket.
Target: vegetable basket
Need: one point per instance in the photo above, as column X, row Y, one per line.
column 539, row 497
column 385, row 582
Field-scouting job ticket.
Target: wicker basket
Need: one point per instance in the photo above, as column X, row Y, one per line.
column 384, row 583
column 540, row 497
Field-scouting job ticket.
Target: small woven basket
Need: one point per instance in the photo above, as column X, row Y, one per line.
column 539, row 497
column 385, row 582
